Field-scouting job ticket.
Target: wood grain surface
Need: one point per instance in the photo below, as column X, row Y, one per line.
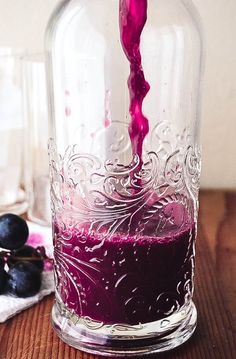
column 29, row 335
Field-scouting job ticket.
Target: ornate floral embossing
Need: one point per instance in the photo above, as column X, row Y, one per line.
column 95, row 200
column 193, row 170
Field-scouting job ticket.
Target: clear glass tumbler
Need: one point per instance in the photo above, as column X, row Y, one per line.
column 36, row 113
column 125, row 80
column 12, row 133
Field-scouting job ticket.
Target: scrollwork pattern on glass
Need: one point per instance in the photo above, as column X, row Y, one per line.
column 95, row 201
column 110, row 195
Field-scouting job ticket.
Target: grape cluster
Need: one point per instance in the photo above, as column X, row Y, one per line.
column 21, row 265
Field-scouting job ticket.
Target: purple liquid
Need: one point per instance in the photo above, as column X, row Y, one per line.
column 127, row 277
column 133, row 16
column 121, row 279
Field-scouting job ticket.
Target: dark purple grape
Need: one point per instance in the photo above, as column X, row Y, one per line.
column 27, row 254
column 3, row 279
column 23, row 280
column 13, row 231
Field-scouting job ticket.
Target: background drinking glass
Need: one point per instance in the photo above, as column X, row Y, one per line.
column 12, row 133
column 35, row 102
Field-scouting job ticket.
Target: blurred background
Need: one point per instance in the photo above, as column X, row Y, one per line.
column 22, row 24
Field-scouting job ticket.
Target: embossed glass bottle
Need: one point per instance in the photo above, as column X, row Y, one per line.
column 124, row 78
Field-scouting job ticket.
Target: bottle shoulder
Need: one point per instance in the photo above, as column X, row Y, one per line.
column 60, row 17
column 165, row 18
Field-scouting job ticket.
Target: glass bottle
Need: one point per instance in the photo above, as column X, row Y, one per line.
column 124, row 79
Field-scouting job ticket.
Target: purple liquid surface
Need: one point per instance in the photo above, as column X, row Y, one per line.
column 122, row 279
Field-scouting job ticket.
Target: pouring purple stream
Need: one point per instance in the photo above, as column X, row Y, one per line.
column 133, row 16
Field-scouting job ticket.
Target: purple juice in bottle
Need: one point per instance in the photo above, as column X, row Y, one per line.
column 128, row 276
column 124, row 279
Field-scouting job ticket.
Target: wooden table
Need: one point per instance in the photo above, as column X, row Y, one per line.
column 29, row 335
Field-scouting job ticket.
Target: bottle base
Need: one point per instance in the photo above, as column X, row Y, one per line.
column 122, row 340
